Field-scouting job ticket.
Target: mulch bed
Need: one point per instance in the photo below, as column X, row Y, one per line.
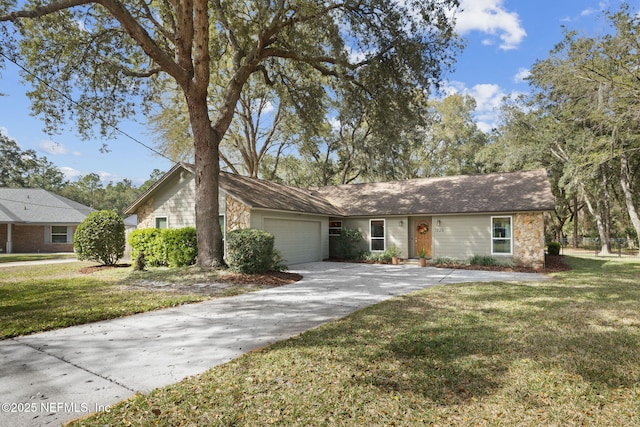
column 553, row 263
column 94, row 268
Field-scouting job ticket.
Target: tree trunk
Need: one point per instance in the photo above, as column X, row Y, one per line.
column 628, row 194
column 207, row 169
column 575, row 220
column 599, row 223
column 606, row 211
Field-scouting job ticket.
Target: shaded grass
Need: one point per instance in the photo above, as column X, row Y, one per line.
column 51, row 296
column 565, row 352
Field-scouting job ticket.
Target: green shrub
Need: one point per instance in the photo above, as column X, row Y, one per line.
column 554, row 248
column 489, row 261
column 173, row 247
column 180, row 245
column 149, row 242
column 443, row 260
column 374, row 257
column 347, row 242
column 100, row 238
column 251, row 251
column 484, row 260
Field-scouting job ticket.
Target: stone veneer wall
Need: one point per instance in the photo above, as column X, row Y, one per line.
column 528, row 233
column 238, row 215
column 145, row 215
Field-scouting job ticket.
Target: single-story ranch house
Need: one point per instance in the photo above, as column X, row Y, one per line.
column 34, row 220
column 499, row 214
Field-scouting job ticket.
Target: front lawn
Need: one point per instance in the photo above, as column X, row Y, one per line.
column 37, row 298
column 563, row 352
column 34, row 257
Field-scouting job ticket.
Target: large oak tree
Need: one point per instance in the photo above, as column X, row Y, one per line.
column 114, row 56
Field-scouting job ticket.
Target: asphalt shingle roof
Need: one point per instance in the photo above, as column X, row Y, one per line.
column 38, row 206
column 261, row 194
column 496, row 192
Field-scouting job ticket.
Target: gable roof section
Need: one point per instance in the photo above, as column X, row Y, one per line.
column 497, row 192
column 260, row 194
column 255, row 193
column 178, row 167
column 38, row 206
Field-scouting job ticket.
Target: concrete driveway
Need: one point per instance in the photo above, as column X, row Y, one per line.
column 52, row 377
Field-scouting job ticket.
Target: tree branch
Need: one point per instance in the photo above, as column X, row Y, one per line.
column 45, row 10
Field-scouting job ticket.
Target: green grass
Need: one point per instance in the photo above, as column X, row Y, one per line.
column 34, row 257
column 51, row 296
column 562, row 352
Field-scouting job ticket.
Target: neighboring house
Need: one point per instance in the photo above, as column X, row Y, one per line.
column 500, row 214
column 34, row 220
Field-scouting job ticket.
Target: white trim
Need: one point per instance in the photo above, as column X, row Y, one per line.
column 66, row 233
column 384, row 237
column 509, row 235
column 9, row 247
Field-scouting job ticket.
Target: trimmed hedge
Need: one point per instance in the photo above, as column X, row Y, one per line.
column 553, row 248
column 181, row 246
column 100, row 238
column 251, row 251
column 173, row 247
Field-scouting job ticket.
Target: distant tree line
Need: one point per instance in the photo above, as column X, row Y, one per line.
column 25, row 169
column 582, row 122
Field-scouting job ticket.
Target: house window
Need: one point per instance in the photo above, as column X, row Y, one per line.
column 501, row 240
column 377, row 235
column 334, row 228
column 59, row 234
column 162, row 222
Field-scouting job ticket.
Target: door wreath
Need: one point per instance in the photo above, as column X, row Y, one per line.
column 423, row 228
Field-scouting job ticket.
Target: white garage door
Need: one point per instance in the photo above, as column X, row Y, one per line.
column 297, row 241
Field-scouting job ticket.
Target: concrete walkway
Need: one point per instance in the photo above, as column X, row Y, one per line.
column 52, row 377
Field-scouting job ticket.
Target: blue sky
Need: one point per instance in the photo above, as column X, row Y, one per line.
column 503, row 40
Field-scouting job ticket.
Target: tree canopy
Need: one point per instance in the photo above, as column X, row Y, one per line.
column 114, row 54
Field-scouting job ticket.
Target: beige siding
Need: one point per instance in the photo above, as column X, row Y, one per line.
column 396, row 232
column 176, row 201
column 461, row 236
column 464, row 236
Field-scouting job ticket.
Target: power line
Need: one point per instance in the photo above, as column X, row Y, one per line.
column 91, row 113
column 25, row 203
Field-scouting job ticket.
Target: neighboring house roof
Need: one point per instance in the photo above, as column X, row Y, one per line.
column 496, row 192
column 38, row 206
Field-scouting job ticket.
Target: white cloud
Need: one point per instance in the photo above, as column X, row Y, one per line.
column 56, row 148
column 70, row 173
column 107, row 177
column 521, row 75
column 489, row 98
column 490, row 17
